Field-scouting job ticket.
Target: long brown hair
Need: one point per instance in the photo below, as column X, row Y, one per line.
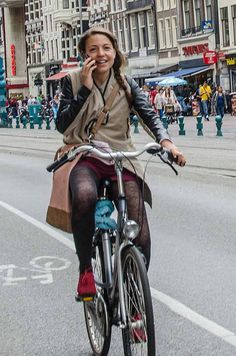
column 119, row 61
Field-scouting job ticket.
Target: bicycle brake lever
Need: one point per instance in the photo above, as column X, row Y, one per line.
column 167, row 158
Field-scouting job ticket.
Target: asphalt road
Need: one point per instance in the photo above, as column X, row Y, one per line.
column 193, row 268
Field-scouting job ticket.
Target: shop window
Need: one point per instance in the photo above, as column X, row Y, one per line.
column 225, row 25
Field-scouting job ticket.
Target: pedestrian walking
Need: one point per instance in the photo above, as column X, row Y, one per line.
column 220, row 102
column 205, row 94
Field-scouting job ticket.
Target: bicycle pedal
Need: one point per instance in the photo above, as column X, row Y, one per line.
column 79, row 298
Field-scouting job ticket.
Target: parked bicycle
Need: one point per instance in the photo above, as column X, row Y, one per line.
column 123, row 294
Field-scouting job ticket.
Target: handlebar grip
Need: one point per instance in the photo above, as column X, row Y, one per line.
column 153, row 151
column 58, row 163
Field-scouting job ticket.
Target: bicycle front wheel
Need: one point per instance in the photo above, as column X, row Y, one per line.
column 96, row 312
column 139, row 335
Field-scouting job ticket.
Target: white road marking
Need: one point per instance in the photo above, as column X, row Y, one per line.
column 56, row 235
column 189, row 314
column 177, row 307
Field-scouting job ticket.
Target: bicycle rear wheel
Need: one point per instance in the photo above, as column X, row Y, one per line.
column 139, row 335
column 96, row 312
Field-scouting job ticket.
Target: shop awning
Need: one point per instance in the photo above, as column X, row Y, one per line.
column 57, row 76
column 187, row 72
column 164, row 68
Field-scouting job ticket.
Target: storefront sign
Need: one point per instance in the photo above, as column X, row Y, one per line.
column 207, row 25
column 221, row 55
column 13, row 60
column 210, row 57
column 231, row 61
column 191, row 50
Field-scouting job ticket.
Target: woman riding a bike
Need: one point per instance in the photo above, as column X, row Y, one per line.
column 85, row 93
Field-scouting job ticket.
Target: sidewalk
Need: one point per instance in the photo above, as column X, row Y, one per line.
column 209, row 151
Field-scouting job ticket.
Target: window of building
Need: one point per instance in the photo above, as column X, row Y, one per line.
column 65, row 4
column 173, row 4
column 114, row 24
column 142, row 30
column 113, row 6
column 208, row 10
column 197, row 12
column 166, row 4
column 174, row 31
column 186, row 12
column 134, row 32
column 121, row 37
column 168, row 33
column 162, row 37
column 233, row 11
column 151, row 34
column 225, row 25
column 118, row 5
column 160, row 5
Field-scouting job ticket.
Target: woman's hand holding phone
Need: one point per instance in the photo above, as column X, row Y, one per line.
column 86, row 72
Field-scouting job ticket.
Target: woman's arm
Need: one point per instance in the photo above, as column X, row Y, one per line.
column 146, row 112
column 153, row 122
column 70, row 106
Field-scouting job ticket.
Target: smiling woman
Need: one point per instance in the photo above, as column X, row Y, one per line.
column 95, row 105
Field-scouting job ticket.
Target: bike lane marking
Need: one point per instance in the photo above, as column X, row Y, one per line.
column 173, row 304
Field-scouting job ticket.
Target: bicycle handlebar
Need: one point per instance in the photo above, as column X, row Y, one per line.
column 152, row 148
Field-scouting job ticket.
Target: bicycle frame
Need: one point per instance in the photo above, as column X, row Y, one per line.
column 114, row 278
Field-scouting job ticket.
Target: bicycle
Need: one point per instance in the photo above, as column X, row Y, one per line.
column 123, row 294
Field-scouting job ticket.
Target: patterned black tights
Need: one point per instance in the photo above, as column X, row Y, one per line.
column 83, row 187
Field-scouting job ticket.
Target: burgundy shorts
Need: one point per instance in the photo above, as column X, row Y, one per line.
column 103, row 170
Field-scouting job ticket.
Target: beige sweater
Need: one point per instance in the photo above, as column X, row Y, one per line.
column 115, row 133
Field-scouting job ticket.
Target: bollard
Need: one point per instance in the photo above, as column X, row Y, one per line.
column 10, row 122
column 181, row 125
column 48, row 123
column 31, row 122
column 17, row 122
column 135, row 123
column 199, row 126
column 24, row 122
column 218, row 121
column 164, row 121
column 40, row 121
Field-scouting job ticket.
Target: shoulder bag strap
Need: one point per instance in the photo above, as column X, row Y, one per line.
column 104, row 111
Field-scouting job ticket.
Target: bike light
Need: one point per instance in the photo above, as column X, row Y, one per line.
column 131, row 229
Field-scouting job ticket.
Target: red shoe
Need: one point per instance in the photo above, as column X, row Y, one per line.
column 138, row 331
column 86, row 285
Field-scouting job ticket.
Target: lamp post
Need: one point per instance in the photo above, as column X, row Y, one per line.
column 3, row 113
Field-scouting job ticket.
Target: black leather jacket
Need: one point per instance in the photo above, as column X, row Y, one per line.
column 70, row 107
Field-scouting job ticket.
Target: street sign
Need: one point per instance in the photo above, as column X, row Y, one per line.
column 38, row 82
column 210, row 57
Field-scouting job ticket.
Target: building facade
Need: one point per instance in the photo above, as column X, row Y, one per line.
column 39, row 39
column 167, row 29
column 197, row 35
column 227, row 32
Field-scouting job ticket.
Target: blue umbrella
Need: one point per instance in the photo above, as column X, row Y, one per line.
column 172, row 81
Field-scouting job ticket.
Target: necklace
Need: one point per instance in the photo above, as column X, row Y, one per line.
column 105, row 87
